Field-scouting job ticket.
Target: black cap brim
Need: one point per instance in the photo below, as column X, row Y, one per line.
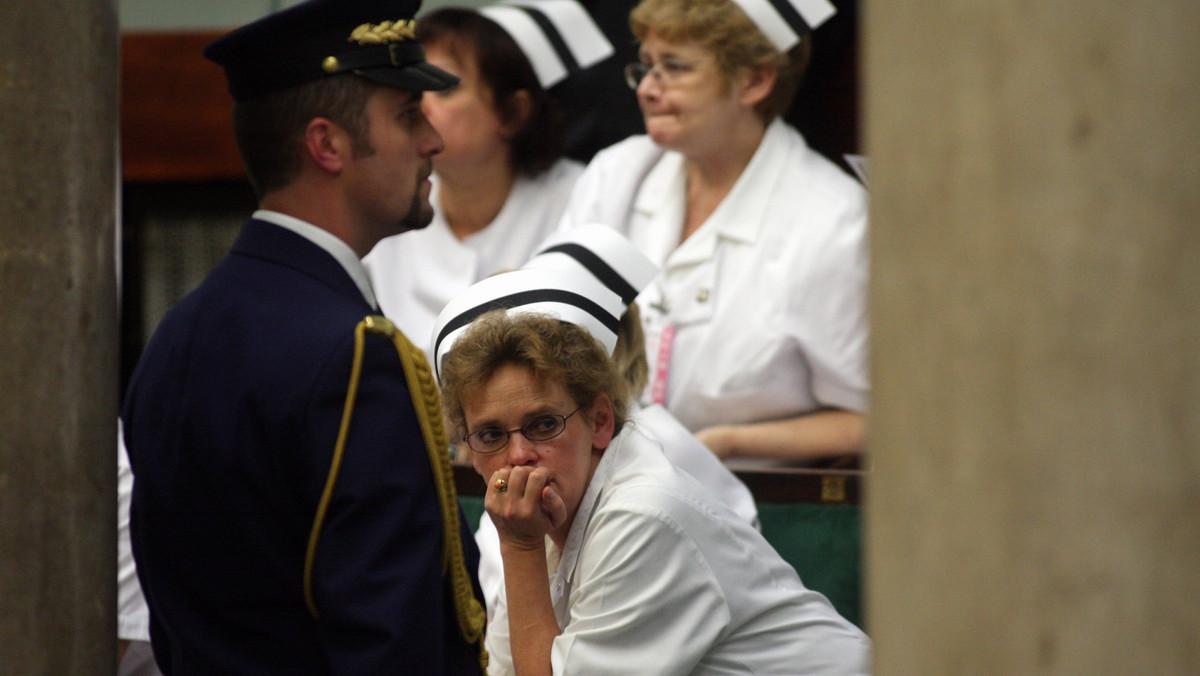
column 416, row 77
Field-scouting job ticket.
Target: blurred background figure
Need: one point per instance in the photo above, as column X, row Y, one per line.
column 756, row 325
column 501, row 184
column 600, row 112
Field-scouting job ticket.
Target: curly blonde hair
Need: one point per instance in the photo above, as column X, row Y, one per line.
column 721, row 27
column 554, row 350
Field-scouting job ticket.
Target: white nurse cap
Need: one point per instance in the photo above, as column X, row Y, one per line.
column 784, row 21
column 601, row 252
column 587, row 276
column 558, row 37
column 570, row 296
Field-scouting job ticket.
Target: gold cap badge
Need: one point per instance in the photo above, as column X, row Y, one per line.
column 383, row 33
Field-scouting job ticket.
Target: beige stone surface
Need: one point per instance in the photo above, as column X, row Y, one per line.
column 1035, row 432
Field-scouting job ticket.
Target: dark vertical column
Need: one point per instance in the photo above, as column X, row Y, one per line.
column 58, row 336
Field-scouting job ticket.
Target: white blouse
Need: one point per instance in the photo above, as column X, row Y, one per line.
column 761, row 313
column 416, row 273
column 658, row 577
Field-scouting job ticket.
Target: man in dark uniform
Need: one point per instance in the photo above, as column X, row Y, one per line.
column 288, row 515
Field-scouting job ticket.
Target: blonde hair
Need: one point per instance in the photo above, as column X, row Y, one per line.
column 554, row 350
column 629, row 356
column 721, row 27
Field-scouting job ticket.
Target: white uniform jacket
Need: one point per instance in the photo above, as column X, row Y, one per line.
column 657, row 577
column 761, row 313
column 416, row 273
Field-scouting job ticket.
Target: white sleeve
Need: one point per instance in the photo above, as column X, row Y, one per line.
column 606, row 190
column 133, row 617
column 689, row 454
column 583, row 206
column 643, row 595
column 491, row 566
column 832, row 303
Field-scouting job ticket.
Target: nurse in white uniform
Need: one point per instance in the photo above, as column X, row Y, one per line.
column 501, row 184
column 756, row 325
column 615, row 561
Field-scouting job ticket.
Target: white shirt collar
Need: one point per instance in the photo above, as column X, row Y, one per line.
column 591, row 497
column 340, row 251
column 739, row 216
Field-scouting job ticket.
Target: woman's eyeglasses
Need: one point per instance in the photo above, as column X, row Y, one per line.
column 666, row 72
column 541, row 428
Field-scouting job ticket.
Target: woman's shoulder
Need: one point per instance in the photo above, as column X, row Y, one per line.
column 633, row 148
column 606, row 190
column 548, row 189
column 533, row 208
column 809, row 193
column 564, row 171
column 644, row 481
column 808, row 170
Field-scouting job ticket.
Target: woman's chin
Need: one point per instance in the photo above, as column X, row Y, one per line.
column 661, row 135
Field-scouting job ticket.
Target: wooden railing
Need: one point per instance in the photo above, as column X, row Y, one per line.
column 776, row 485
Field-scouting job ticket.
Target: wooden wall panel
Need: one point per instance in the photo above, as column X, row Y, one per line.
column 175, row 111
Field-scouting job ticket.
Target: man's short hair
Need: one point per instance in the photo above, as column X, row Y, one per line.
column 269, row 129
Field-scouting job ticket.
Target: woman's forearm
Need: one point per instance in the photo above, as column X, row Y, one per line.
column 531, row 620
column 813, row 435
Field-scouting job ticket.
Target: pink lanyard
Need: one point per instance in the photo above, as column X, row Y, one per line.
column 662, row 366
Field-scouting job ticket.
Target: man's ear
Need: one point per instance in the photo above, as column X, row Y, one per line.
column 327, row 144
column 603, row 422
column 755, row 85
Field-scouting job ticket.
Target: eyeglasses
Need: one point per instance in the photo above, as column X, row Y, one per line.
column 541, row 428
column 666, row 72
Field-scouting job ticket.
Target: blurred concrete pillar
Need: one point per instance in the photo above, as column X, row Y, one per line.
column 1035, row 177
column 58, row 336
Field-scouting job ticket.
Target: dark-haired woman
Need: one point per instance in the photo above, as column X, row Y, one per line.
column 501, row 184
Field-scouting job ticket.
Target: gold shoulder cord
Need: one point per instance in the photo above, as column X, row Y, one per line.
column 469, row 611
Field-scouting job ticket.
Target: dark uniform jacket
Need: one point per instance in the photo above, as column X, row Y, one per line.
column 231, row 419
